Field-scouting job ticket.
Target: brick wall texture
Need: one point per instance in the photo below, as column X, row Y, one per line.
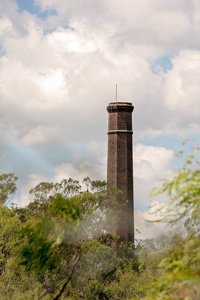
column 120, row 166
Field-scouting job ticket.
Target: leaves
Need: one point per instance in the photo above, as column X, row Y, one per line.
column 60, row 244
column 43, row 237
column 7, row 187
column 181, row 267
column 183, row 190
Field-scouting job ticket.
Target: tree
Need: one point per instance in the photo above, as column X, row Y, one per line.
column 51, row 240
column 181, row 265
column 7, row 187
column 56, row 228
column 183, row 191
column 60, row 244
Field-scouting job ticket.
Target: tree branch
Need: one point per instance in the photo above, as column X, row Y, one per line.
column 76, row 259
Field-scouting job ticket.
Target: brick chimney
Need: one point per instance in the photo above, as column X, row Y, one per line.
column 120, row 165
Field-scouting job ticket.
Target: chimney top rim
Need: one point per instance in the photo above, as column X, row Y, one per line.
column 120, row 103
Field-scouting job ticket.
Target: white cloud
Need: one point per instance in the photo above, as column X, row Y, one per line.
column 146, row 223
column 55, row 85
column 150, row 165
column 25, row 198
column 77, row 170
column 65, row 79
column 182, row 90
column 163, row 23
column 5, row 26
column 152, row 162
column 40, row 136
column 82, row 169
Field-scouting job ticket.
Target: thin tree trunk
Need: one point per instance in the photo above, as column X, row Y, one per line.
column 76, row 259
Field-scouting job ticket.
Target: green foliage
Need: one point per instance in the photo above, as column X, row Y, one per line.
column 8, row 230
column 126, row 285
column 14, row 283
column 38, row 252
column 67, row 187
column 44, row 237
column 94, row 185
column 97, row 260
column 183, row 190
column 96, row 291
column 98, row 185
column 7, row 187
column 59, row 246
column 181, row 265
column 65, row 209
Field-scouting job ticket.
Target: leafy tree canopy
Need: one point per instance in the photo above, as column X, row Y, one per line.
column 7, row 187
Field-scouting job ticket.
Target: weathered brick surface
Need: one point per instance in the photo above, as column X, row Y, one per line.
column 120, row 164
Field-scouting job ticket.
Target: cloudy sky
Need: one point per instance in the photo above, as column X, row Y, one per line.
column 59, row 63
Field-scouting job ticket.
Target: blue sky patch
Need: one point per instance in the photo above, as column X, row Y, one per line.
column 23, row 160
column 175, row 143
column 2, row 52
column 163, row 63
column 34, row 9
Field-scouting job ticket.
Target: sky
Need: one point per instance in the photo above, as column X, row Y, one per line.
column 59, row 64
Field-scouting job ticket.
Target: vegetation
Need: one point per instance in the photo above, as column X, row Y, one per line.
column 59, row 246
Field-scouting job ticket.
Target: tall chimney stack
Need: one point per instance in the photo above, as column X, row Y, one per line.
column 120, row 165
